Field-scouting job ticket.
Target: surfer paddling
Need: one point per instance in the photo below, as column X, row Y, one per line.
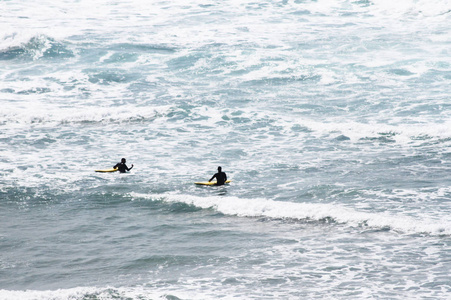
column 221, row 177
column 122, row 167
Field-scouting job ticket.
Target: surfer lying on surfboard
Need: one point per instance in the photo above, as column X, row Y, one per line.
column 122, row 167
column 221, row 177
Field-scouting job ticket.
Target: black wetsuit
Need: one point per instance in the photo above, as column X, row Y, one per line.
column 221, row 178
column 122, row 167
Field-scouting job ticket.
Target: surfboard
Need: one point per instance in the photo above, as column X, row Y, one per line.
column 106, row 170
column 210, row 183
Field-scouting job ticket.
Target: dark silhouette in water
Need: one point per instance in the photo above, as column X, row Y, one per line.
column 122, row 167
column 221, row 177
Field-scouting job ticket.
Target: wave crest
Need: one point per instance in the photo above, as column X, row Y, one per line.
column 320, row 212
column 37, row 46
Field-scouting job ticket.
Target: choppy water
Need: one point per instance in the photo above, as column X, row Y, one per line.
column 332, row 118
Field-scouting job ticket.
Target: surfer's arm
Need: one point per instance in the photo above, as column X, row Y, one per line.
column 131, row 167
column 212, row 178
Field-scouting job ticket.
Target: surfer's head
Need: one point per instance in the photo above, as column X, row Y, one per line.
column 123, row 160
column 219, row 169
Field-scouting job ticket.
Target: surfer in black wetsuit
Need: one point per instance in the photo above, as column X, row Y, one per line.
column 122, row 167
column 221, row 177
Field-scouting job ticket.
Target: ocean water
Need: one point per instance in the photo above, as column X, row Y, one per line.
column 332, row 118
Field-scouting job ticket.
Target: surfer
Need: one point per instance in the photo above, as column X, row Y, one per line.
column 221, row 177
column 122, row 167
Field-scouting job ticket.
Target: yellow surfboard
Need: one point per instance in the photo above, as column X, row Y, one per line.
column 106, row 170
column 210, row 183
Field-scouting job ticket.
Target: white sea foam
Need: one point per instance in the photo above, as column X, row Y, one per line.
column 49, row 116
column 259, row 207
column 340, row 106
column 421, row 7
column 93, row 292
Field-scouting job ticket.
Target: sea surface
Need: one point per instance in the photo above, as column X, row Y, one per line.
column 331, row 118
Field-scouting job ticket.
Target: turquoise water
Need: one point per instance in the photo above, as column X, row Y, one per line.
column 331, row 117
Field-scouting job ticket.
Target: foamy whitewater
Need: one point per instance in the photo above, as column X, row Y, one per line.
column 331, row 118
